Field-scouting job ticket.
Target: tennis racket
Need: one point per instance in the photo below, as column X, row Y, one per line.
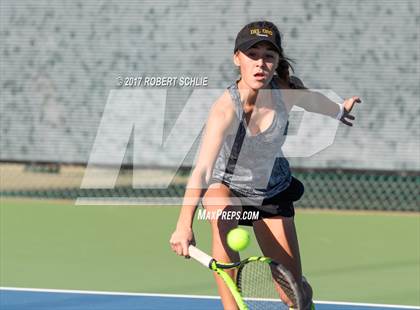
column 256, row 282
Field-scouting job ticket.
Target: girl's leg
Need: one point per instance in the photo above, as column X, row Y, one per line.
column 277, row 238
column 218, row 197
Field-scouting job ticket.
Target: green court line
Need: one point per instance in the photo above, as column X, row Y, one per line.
column 350, row 257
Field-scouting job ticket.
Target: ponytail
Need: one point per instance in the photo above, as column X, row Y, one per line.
column 283, row 67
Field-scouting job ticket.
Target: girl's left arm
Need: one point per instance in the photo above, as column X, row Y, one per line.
column 318, row 103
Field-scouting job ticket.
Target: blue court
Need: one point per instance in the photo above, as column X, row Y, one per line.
column 29, row 299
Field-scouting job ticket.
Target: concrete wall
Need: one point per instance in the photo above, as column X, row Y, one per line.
column 60, row 60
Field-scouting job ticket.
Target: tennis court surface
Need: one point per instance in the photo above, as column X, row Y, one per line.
column 28, row 299
column 75, row 250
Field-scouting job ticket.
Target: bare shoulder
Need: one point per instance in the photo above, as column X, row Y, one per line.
column 217, row 127
column 223, row 110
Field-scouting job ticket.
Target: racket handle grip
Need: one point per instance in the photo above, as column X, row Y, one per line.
column 200, row 256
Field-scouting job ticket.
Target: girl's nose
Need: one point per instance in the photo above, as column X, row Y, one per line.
column 260, row 62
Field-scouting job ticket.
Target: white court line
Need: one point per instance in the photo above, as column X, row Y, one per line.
column 338, row 303
column 43, row 290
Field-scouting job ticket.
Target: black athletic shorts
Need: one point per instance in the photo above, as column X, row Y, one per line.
column 283, row 200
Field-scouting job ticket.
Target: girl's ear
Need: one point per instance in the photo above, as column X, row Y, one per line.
column 236, row 59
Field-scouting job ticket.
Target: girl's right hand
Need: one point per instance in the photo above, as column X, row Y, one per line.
column 181, row 239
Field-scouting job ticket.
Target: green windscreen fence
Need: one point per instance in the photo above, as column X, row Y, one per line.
column 325, row 189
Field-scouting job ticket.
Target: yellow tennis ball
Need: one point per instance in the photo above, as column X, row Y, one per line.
column 238, row 239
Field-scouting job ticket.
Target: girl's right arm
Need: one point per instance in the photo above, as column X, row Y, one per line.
column 218, row 124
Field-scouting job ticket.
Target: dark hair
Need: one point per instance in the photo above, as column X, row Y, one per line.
column 284, row 65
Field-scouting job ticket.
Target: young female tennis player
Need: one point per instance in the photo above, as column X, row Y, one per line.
column 250, row 119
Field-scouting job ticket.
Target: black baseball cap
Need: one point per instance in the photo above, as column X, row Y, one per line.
column 255, row 32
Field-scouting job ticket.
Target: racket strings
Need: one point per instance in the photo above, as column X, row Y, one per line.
column 258, row 287
column 284, row 284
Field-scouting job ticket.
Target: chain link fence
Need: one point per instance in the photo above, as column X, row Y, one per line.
column 324, row 189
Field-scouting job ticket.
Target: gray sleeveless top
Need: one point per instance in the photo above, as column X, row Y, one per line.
column 254, row 165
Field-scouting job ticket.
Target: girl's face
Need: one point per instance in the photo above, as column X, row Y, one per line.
column 257, row 65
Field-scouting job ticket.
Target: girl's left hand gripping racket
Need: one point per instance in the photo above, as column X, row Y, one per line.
column 259, row 282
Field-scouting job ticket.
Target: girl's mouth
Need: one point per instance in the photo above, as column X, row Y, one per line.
column 259, row 75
